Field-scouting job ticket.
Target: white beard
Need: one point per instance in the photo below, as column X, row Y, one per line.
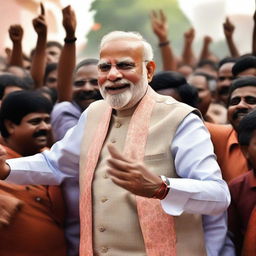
column 129, row 97
column 120, row 100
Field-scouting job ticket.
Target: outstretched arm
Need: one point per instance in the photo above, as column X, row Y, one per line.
column 39, row 57
column 229, row 29
column 67, row 59
column 160, row 28
column 16, row 35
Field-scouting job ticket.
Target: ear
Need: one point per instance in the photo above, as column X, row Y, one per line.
column 244, row 150
column 10, row 126
column 151, row 66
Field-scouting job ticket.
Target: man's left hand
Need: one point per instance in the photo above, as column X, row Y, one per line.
column 132, row 175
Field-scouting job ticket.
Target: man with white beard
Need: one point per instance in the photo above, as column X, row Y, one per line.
column 148, row 173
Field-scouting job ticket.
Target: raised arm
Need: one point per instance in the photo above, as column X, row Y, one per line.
column 254, row 35
column 160, row 28
column 229, row 29
column 39, row 57
column 16, row 35
column 205, row 52
column 188, row 56
column 67, row 59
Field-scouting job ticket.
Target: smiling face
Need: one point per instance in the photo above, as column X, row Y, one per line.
column 123, row 75
column 85, row 86
column 242, row 101
column 30, row 135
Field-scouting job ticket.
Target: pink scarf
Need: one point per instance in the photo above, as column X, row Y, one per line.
column 157, row 227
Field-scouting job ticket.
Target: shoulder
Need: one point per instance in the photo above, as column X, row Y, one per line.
column 98, row 104
column 238, row 183
column 172, row 106
column 219, row 131
column 65, row 107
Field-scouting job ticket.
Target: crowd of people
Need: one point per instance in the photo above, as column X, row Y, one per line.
column 109, row 157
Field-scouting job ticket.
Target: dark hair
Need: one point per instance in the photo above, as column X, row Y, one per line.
column 174, row 80
column 241, row 82
column 26, row 76
column 210, row 63
column 208, row 77
column 54, row 43
column 211, row 80
column 48, row 69
column 7, row 80
column 226, row 60
column 51, row 92
column 86, row 62
column 18, row 104
column 246, row 128
column 243, row 63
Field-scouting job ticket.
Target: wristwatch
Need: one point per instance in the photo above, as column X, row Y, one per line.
column 166, row 181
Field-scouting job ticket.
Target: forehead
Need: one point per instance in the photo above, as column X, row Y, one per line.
column 53, row 48
column 87, row 71
column 244, row 91
column 34, row 115
column 226, row 68
column 248, row 72
column 198, row 81
column 122, row 48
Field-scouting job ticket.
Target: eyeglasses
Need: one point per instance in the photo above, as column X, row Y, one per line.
column 122, row 66
column 81, row 83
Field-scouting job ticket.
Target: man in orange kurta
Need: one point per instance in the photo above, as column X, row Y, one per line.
column 34, row 223
column 242, row 100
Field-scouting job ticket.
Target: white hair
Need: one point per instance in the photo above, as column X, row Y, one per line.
column 148, row 51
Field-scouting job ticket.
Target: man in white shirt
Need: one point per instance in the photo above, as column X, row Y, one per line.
column 120, row 210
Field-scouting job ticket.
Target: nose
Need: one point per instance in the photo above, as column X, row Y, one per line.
column 44, row 125
column 114, row 74
column 242, row 104
column 87, row 86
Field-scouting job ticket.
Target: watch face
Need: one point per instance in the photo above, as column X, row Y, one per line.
column 165, row 180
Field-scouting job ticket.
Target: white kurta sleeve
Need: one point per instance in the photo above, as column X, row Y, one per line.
column 54, row 166
column 200, row 188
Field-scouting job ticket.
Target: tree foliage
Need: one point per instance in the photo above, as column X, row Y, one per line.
column 133, row 15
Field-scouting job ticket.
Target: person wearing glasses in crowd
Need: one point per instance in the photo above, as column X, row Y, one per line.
column 148, row 174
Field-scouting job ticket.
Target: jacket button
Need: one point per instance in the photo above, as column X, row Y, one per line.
column 101, row 229
column 104, row 249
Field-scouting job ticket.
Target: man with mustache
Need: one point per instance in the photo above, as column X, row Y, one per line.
column 167, row 164
column 242, row 100
column 85, row 90
column 77, row 86
column 31, row 217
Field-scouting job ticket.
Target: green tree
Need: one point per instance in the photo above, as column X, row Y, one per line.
column 133, row 15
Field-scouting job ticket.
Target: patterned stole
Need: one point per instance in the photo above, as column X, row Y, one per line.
column 249, row 245
column 157, row 227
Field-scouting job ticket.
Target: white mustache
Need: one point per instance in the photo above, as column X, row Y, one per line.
column 115, row 84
